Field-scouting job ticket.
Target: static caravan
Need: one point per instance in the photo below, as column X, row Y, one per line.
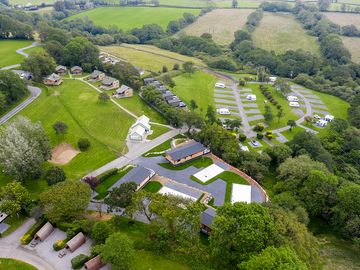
column 293, row 98
column 223, row 111
column 220, row 85
column 294, row 104
column 251, row 97
column 329, row 117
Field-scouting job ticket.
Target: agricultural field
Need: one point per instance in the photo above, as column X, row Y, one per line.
column 343, row 18
column 8, row 55
column 280, row 32
column 353, row 45
column 11, row 264
column 220, row 23
column 198, row 86
column 127, row 18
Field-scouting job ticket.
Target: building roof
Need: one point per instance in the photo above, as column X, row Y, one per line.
column 75, row 68
column 44, row 231
column 76, row 241
column 53, row 77
column 168, row 94
column 95, row 73
column 94, row 264
column 108, row 80
column 122, row 89
column 207, row 217
column 149, row 80
column 138, row 174
column 60, row 67
column 144, row 119
column 186, row 150
column 138, row 129
column 3, row 216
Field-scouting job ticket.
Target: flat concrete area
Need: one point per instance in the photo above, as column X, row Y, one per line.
column 208, row 173
column 241, row 193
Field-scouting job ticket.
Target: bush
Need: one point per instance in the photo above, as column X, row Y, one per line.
column 269, row 135
column 259, row 127
column 59, row 244
column 55, row 175
column 242, row 137
column 78, row 261
column 259, row 136
column 176, row 67
column 29, row 235
column 83, row 144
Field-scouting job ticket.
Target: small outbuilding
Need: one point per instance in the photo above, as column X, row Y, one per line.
column 76, row 242
column 186, row 153
column 94, row 264
column 60, row 70
column 109, row 83
column 76, row 70
column 124, row 91
column 3, row 216
column 44, row 232
column 144, row 122
column 53, row 80
column 207, row 219
column 96, row 75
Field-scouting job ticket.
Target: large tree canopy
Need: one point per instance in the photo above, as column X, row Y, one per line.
column 40, row 64
column 13, row 198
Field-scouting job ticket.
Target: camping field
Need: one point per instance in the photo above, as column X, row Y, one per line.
column 8, row 55
column 280, row 32
column 353, row 44
column 220, row 23
column 127, row 18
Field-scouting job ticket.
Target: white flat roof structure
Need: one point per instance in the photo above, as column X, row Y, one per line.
column 208, row 173
column 241, row 193
column 272, row 78
column 170, row 191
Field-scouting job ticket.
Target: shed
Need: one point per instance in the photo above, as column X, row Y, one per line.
column 207, row 219
column 94, row 264
column 44, row 232
column 76, row 242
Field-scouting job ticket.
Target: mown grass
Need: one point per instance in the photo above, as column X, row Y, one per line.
column 201, row 162
column 153, row 186
column 34, row 49
column 162, row 147
column 198, row 86
column 157, row 131
column 8, row 55
column 280, row 32
column 127, row 18
column 12, row 264
column 352, row 44
column 14, row 222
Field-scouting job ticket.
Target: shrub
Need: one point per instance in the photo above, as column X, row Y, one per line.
column 164, row 69
column 269, row 135
column 259, row 136
column 259, row 127
column 278, row 106
column 59, row 244
column 29, row 235
column 83, row 144
column 176, row 67
column 55, row 175
column 78, row 261
column 242, row 137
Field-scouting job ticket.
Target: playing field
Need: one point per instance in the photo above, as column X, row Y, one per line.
column 127, row 18
column 220, row 23
column 353, row 45
column 344, row 18
column 280, row 32
column 8, row 55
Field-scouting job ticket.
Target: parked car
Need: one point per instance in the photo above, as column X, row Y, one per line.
column 254, row 143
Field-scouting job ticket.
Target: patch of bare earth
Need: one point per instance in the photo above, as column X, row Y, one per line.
column 63, row 154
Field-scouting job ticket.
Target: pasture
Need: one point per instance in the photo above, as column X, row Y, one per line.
column 33, row 2
column 280, row 32
column 343, row 18
column 353, row 45
column 8, row 55
column 198, row 86
column 220, row 23
column 11, row 264
column 127, row 18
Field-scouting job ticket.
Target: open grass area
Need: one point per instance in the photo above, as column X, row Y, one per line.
column 34, row 49
column 127, row 18
column 344, row 18
column 280, row 32
column 353, row 44
column 14, row 222
column 77, row 105
column 201, row 162
column 157, row 131
column 220, row 23
column 153, row 186
column 12, row 264
column 198, row 86
column 162, row 147
column 8, row 55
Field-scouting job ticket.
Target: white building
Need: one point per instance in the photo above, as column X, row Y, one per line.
column 294, row 104
column 293, row 98
column 272, row 79
column 251, row 97
column 140, row 129
column 329, row 117
column 220, row 85
column 322, row 123
column 223, row 111
column 144, row 122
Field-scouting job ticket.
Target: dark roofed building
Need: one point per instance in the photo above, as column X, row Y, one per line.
column 94, row 264
column 109, row 83
column 168, row 95
column 139, row 174
column 76, row 70
column 186, row 152
column 96, row 75
column 161, row 88
column 155, row 83
column 148, row 80
column 182, row 104
column 207, row 219
column 175, row 101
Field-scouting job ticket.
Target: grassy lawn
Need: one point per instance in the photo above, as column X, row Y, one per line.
column 14, row 222
column 12, row 264
column 139, row 107
column 280, row 32
column 77, row 105
column 127, row 18
column 150, row 260
column 220, row 23
column 157, row 131
column 34, row 49
column 8, row 55
column 153, row 186
column 352, row 44
column 162, row 147
column 198, row 86
column 201, row 162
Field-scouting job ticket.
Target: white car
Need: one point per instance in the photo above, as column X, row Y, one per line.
column 254, row 143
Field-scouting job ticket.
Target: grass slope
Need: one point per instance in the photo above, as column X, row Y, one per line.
column 11, row 264
column 8, row 55
column 344, row 18
column 353, row 44
column 280, row 32
column 198, row 86
column 220, row 23
column 127, row 18
column 34, row 49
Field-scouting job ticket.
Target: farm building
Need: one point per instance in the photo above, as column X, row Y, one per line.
column 186, row 152
column 52, row 80
column 76, row 242
column 207, row 219
column 294, row 104
column 220, row 85
column 292, row 98
column 251, row 97
column 60, row 70
column 123, row 91
column 76, row 70
column 223, row 111
column 139, row 175
column 44, row 232
column 96, row 75
column 94, row 264
column 109, row 83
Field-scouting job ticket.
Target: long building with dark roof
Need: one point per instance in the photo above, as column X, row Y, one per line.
column 186, row 153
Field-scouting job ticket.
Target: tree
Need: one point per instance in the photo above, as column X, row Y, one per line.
column 273, row 258
column 55, row 49
column 233, row 124
column 65, row 200
column 192, row 119
column 39, row 64
column 280, row 114
column 234, row 3
column 262, row 74
column 339, row 125
column 283, row 86
column 176, row 67
column 121, row 197
column 55, row 175
column 324, row 4
column 291, row 124
column 101, row 231
column 239, row 231
column 279, row 153
column 188, row 67
column 60, row 128
column 12, row 89
column 103, row 97
column 167, row 80
column 24, row 148
column 164, row 69
column 83, row 144
column 14, row 198
column 210, row 114
column 117, row 250
column 268, row 114
column 92, row 181
column 193, row 105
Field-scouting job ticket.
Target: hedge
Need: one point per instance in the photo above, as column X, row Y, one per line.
column 59, row 244
column 29, row 235
column 78, row 261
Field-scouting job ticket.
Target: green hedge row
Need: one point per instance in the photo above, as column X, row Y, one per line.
column 29, row 235
column 78, row 261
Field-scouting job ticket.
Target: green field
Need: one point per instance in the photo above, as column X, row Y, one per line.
column 127, row 18
column 280, row 32
column 34, row 49
column 8, row 55
column 352, row 44
column 198, row 86
column 11, row 264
